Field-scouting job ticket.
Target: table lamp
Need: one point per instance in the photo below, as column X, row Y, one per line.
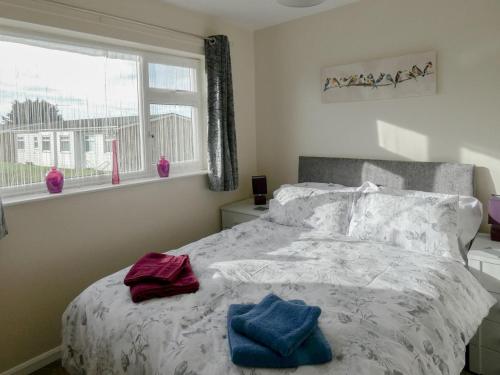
column 259, row 187
column 494, row 217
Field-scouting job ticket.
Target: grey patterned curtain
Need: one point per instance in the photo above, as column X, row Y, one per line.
column 222, row 157
column 3, row 224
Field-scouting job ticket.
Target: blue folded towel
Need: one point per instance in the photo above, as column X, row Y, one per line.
column 246, row 352
column 277, row 324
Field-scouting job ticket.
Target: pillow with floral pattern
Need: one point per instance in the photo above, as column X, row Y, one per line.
column 426, row 224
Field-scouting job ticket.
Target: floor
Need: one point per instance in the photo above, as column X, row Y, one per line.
column 52, row 369
column 56, row 369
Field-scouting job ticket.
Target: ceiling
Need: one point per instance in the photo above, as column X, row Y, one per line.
column 254, row 14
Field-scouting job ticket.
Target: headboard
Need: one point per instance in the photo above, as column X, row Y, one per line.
column 448, row 178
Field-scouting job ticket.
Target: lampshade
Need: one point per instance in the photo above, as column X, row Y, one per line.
column 259, row 185
column 494, row 210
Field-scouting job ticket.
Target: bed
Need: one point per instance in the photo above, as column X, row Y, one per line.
column 384, row 310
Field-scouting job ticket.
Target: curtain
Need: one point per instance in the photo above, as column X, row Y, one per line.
column 222, row 156
column 3, row 224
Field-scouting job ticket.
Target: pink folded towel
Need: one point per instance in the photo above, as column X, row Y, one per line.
column 156, row 267
column 158, row 275
column 185, row 283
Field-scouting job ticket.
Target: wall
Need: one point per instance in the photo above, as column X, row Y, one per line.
column 460, row 124
column 58, row 247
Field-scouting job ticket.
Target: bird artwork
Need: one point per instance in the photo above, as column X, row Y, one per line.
column 394, row 77
column 389, row 78
column 383, row 79
column 334, row 82
column 352, row 80
column 327, row 84
column 379, row 79
column 370, row 80
column 397, row 79
column 416, row 71
column 427, row 69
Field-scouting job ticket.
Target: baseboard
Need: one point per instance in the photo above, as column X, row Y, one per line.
column 35, row 363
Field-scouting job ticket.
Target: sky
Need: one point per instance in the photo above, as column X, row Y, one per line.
column 81, row 85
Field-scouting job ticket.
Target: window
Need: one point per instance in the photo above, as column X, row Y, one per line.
column 64, row 143
column 80, row 97
column 46, row 144
column 20, row 143
column 108, row 145
column 89, row 143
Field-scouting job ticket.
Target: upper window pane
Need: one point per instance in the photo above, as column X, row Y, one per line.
column 170, row 77
column 74, row 100
column 174, row 132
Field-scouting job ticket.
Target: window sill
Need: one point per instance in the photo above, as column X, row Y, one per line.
column 23, row 199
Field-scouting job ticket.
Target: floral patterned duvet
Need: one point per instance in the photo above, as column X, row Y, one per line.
column 384, row 310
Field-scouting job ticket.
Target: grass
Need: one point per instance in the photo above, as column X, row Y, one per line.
column 15, row 174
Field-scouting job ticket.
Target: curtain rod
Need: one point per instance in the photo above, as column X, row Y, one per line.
column 112, row 16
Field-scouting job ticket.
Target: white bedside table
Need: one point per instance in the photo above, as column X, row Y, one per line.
column 240, row 212
column 484, row 349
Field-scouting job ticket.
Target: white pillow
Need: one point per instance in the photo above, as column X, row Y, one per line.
column 322, row 209
column 470, row 214
column 319, row 185
column 365, row 187
column 426, row 224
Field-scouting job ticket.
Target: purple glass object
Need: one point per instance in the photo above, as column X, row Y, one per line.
column 115, row 179
column 54, row 180
column 163, row 167
column 494, row 217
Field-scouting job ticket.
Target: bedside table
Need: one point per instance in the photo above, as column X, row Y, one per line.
column 240, row 212
column 484, row 263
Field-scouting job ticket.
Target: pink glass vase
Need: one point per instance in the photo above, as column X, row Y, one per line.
column 54, row 180
column 163, row 167
column 115, row 179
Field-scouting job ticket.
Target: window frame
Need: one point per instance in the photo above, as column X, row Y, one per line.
column 44, row 141
column 67, row 140
column 158, row 96
column 146, row 54
column 21, row 139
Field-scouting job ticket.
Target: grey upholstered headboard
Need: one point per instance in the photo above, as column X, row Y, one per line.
column 448, row 178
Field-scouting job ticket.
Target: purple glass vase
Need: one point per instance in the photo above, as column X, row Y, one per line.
column 54, row 180
column 163, row 167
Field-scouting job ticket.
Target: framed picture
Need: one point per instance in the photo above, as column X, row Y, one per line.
column 398, row 77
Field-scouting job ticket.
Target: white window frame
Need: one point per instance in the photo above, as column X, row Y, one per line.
column 172, row 97
column 146, row 54
column 44, row 149
column 64, row 138
column 21, row 139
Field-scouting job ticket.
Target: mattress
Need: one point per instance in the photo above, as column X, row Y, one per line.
column 384, row 310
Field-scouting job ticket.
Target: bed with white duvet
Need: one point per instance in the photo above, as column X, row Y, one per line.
column 384, row 267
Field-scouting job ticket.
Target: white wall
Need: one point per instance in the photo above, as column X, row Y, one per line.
column 461, row 123
column 58, row 247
